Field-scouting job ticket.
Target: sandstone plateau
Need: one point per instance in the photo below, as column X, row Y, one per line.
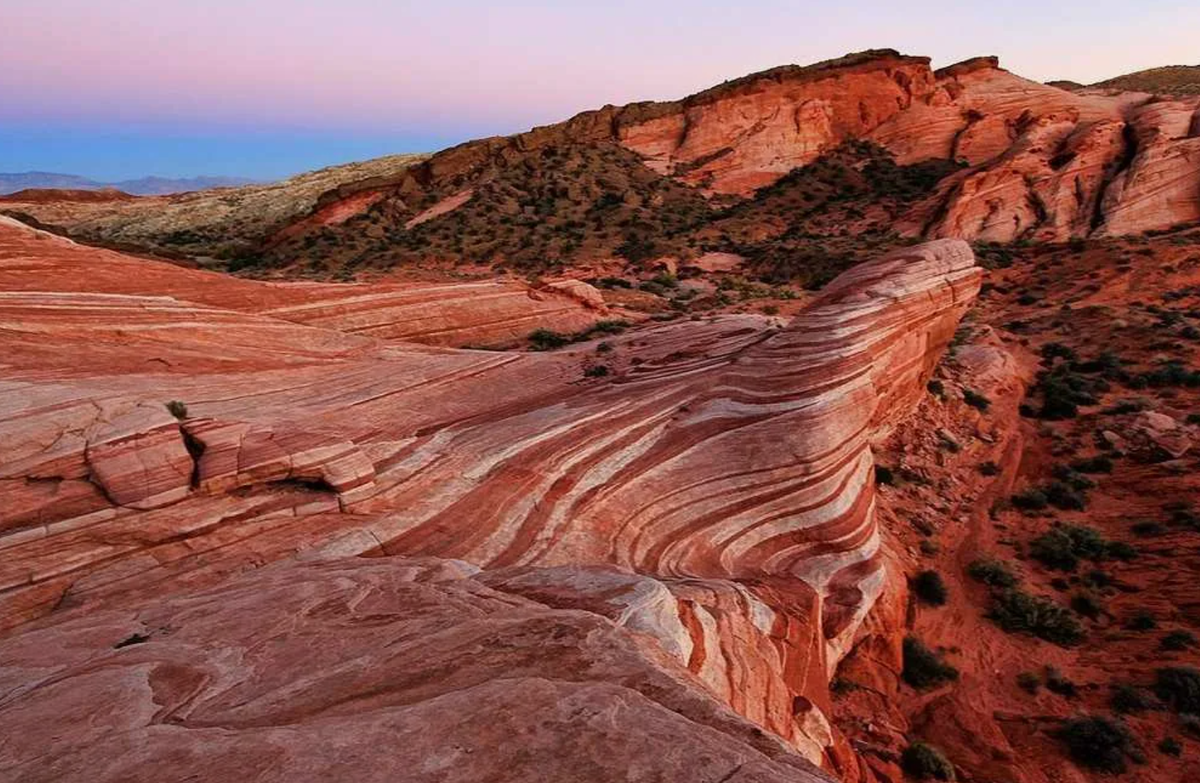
column 837, row 423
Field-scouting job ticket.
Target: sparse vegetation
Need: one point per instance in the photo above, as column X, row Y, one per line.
column 930, row 588
column 1017, row 611
column 1063, row 546
column 1029, row 682
column 976, row 400
column 1176, row 641
column 993, row 573
column 923, row 668
column 1179, row 688
column 1099, row 743
column 177, row 409
column 925, row 762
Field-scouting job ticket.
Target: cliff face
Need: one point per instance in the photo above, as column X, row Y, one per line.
column 698, row 527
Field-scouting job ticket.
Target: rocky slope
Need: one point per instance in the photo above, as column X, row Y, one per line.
column 222, row 222
column 786, row 169
column 702, row 512
column 1167, row 80
column 1034, row 162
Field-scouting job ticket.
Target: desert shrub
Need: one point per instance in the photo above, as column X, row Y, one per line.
column 1176, row 641
column 1179, row 688
column 993, row 573
column 1030, row 500
column 1147, row 529
column 1119, row 550
column 976, row 400
column 936, row 388
column 1029, row 682
column 1141, row 620
column 930, row 588
column 596, row 371
column 884, row 475
column 1057, row 682
column 177, row 409
column 923, row 668
column 1099, row 743
column 1129, row 699
column 929, row 547
column 989, row 468
column 1062, row 495
column 1063, row 390
column 925, row 762
column 1016, row 611
column 1097, row 464
column 547, row 339
column 1087, row 605
column 1170, row 746
column 1072, row 478
column 1063, row 546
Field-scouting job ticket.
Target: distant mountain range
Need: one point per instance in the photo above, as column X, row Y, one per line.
column 145, row 186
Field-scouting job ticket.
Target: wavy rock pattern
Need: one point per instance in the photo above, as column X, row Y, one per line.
column 354, row 670
column 717, row 487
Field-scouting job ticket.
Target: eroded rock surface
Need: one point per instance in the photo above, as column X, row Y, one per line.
column 716, row 485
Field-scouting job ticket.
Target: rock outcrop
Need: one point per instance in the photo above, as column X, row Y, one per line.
column 1042, row 163
column 715, row 484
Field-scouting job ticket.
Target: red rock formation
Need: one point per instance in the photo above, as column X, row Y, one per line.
column 727, row 471
column 358, row 669
column 1043, row 163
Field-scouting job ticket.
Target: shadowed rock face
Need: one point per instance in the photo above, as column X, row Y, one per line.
column 716, row 486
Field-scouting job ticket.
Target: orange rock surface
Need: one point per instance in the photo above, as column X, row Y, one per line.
column 717, row 485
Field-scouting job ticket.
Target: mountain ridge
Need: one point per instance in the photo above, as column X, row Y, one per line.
column 12, row 182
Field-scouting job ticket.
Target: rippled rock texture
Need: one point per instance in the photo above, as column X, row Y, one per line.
column 693, row 530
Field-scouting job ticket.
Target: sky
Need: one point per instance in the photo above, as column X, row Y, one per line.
column 116, row 89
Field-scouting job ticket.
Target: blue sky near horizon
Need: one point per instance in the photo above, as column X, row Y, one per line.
column 117, row 89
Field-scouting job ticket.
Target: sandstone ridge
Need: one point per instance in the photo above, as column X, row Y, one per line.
column 717, row 484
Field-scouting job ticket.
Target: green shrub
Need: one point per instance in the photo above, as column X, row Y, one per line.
column 976, row 400
column 1127, row 698
column 547, row 340
column 923, row 668
column 1099, row 743
column 925, row 762
column 993, row 573
column 1141, row 620
column 1016, row 611
column 1179, row 687
column 1087, row 605
column 1170, row 746
column 1098, row 464
column 930, row 588
column 177, row 409
column 1057, row 682
column 1030, row 500
column 1029, row 682
column 1176, row 641
column 1063, row 546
